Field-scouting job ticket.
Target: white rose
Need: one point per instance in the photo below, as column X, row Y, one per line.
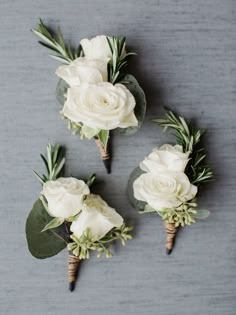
column 64, row 196
column 96, row 48
column 167, row 157
column 83, row 70
column 164, row 190
column 102, row 106
column 96, row 216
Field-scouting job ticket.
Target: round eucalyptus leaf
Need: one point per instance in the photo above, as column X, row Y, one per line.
column 202, row 214
column 61, row 90
column 43, row 244
column 137, row 204
column 140, row 109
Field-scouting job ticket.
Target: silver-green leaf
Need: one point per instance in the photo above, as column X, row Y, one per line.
column 53, row 224
column 61, row 91
column 202, row 214
column 48, row 243
column 137, row 204
column 140, row 109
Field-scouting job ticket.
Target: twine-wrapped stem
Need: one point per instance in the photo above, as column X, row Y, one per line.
column 73, row 265
column 104, row 155
column 171, row 231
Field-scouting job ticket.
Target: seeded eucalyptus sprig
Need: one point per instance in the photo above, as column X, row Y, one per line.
column 119, row 60
column 54, row 163
column 55, row 42
column 190, row 139
column 81, row 247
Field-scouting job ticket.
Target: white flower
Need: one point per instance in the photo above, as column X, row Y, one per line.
column 102, row 106
column 83, row 70
column 164, row 190
column 96, row 216
column 167, row 157
column 64, row 196
column 96, row 48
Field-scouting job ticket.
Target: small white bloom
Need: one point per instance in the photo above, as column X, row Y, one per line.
column 83, row 70
column 96, row 48
column 164, row 190
column 102, row 106
column 96, row 216
column 64, row 196
column 167, row 157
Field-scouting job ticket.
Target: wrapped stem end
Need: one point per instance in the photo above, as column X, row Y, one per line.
column 105, row 157
column 171, row 231
column 73, row 265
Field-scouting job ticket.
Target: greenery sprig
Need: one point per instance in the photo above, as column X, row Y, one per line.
column 190, row 139
column 55, row 43
column 82, row 246
column 119, row 59
column 54, row 163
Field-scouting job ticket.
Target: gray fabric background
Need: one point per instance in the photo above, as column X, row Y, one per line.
column 186, row 60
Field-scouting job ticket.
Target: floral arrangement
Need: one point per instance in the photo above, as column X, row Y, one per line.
column 94, row 90
column 168, row 179
column 68, row 215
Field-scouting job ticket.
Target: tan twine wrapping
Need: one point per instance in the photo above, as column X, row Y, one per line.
column 103, row 153
column 171, row 231
column 73, row 264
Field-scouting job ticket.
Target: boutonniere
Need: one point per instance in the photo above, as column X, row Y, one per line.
column 96, row 93
column 167, row 181
column 68, row 214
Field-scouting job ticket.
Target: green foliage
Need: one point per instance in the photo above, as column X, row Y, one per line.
column 91, row 180
column 54, row 163
column 182, row 215
column 56, row 44
column 46, row 244
column 53, row 224
column 103, row 136
column 88, row 133
column 137, row 204
column 119, row 60
column 61, row 91
column 82, row 246
column 140, row 108
column 190, row 138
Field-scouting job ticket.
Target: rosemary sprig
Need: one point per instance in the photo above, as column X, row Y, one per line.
column 190, row 139
column 82, row 246
column 119, row 59
column 55, row 42
column 54, row 163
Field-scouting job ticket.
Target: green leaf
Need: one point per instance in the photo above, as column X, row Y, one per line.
column 137, row 204
column 61, row 91
column 53, row 224
column 103, row 137
column 48, row 243
column 202, row 214
column 91, row 180
column 88, row 132
column 148, row 208
column 140, row 109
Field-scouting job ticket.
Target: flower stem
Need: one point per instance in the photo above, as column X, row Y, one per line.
column 171, row 231
column 73, row 265
column 104, row 154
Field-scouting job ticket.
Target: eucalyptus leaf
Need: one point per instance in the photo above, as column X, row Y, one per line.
column 53, row 224
column 202, row 214
column 103, row 137
column 140, row 109
column 148, row 209
column 61, row 91
column 88, row 132
column 137, row 204
column 48, row 243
